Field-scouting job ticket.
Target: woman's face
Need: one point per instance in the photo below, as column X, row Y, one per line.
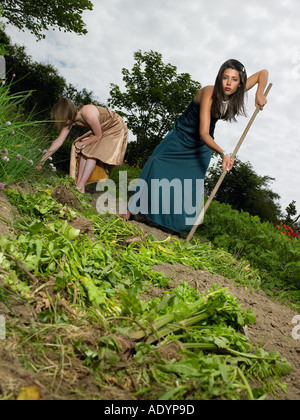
column 231, row 81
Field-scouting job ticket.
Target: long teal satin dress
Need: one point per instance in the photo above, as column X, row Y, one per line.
column 171, row 185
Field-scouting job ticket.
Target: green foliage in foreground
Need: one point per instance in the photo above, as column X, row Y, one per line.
column 104, row 276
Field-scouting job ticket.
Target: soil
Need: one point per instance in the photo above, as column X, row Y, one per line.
column 273, row 330
column 63, row 195
column 6, row 215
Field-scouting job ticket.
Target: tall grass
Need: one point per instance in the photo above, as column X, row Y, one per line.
column 22, row 139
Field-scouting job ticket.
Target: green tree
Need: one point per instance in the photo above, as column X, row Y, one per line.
column 39, row 16
column 291, row 212
column 245, row 190
column 155, row 97
column 43, row 80
column 2, row 47
column 83, row 96
column 290, row 217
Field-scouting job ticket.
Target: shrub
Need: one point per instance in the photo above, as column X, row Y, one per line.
column 276, row 255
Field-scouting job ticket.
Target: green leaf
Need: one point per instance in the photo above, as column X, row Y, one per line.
column 68, row 231
column 131, row 304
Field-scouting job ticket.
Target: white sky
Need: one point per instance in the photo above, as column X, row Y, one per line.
column 197, row 36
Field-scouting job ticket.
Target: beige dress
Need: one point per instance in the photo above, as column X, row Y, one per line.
column 109, row 151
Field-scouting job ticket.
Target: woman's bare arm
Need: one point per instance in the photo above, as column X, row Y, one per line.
column 261, row 79
column 205, row 120
column 58, row 142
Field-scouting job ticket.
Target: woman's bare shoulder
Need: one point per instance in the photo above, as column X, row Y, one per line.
column 206, row 91
column 89, row 111
column 89, row 108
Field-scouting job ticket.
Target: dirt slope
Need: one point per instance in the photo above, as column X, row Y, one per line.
column 273, row 329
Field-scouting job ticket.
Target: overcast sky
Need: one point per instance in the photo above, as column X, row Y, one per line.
column 197, row 36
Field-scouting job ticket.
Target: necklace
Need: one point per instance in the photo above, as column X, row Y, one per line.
column 224, row 107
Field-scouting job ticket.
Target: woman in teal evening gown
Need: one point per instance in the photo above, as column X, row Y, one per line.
column 170, row 188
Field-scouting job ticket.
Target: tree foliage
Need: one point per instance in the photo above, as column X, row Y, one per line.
column 290, row 217
column 245, row 190
column 2, row 47
column 155, row 97
column 43, row 80
column 39, row 16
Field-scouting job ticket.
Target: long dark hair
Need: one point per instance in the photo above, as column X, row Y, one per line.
column 236, row 102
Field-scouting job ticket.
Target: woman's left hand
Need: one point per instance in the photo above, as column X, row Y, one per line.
column 228, row 163
column 260, row 101
column 80, row 145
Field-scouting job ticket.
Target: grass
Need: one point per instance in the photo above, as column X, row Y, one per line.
column 22, row 139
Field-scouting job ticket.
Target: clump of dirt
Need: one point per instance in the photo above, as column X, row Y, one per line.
column 63, row 195
column 84, row 225
column 24, row 187
column 106, row 203
column 170, row 351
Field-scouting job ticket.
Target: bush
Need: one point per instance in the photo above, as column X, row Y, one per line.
column 273, row 253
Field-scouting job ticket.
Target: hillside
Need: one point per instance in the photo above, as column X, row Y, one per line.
column 64, row 342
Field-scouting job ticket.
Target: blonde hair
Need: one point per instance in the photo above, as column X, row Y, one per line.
column 63, row 114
